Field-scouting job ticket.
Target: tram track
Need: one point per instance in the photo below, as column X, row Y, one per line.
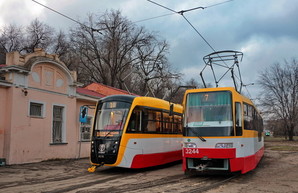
column 175, row 183
column 168, row 178
column 198, row 189
column 142, row 185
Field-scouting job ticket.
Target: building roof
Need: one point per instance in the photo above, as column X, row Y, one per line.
column 106, row 90
column 98, row 90
column 86, row 92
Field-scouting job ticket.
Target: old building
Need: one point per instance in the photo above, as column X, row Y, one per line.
column 40, row 102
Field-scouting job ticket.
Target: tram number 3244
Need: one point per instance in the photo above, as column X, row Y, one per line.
column 191, row 151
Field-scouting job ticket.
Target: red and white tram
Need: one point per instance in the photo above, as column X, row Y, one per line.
column 223, row 131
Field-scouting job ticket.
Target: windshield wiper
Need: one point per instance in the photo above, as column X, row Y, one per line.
column 202, row 138
column 198, row 135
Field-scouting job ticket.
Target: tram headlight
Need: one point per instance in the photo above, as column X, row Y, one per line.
column 224, row 145
column 190, row 145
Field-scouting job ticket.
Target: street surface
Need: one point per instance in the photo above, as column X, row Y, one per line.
column 277, row 172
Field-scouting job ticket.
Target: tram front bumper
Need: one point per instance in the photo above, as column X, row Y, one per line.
column 202, row 159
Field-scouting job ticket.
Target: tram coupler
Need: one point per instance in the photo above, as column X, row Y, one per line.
column 201, row 167
column 93, row 167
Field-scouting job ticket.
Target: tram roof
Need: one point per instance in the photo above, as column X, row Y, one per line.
column 143, row 101
column 123, row 98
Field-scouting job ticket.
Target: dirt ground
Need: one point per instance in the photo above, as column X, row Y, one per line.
column 277, row 172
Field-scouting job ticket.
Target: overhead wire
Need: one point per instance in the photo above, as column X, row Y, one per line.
column 199, row 33
column 62, row 14
column 142, row 20
column 174, row 12
column 182, row 14
column 204, row 39
column 218, row 3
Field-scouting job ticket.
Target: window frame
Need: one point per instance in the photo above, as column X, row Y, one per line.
column 239, row 117
column 63, row 125
column 43, row 109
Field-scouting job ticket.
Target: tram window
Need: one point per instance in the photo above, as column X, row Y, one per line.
column 247, row 118
column 252, row 120
column 245, row 109
column 153, row 121
column 238, row 120
column 177, row 124
column 149, row 123
column 158, row 121
column 167, row 123
column 134, row 121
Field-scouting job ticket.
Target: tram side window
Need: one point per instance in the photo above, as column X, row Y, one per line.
column 134, row 122
column 177, row 124
column 167, row 123
column 144, row 120
column 238, row 114
column 151, row 121
column 252, row 119
column 158, row 121
column 247, row 117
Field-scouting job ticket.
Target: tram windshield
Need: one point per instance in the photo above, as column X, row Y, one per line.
column 209, row 114
column 110, row 118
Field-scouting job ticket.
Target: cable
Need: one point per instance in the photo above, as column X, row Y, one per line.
column 218, row 4
column 163, row 6
column 153, row 17
column 182, row 14
column 97, row 30
column 199, row 33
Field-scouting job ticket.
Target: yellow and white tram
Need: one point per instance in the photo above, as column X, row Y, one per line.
column 136, row 132
column 222, row 131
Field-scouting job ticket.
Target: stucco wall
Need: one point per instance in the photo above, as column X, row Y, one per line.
column 26, row 138
column 31, row 138
column 3, row 113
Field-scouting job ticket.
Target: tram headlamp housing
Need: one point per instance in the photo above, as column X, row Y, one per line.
column 190, row 145
column 224, row 145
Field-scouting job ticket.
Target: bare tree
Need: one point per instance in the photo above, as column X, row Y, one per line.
column 35, row 35
column 38, row 35
column 280, row 94
column 105, row 54
column 116, row 52
column 11, row 38
column 153, row 69
column 60, row 44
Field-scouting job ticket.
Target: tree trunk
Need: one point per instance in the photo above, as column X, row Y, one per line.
column 291, row 133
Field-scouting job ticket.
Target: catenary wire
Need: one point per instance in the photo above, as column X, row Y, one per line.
column 97, row 30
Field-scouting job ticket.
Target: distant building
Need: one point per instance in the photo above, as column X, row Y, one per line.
column 40, row 101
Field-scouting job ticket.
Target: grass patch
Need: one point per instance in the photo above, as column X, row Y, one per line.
column 277, row 139
column 283, row 148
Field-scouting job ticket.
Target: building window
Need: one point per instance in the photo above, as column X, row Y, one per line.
column 86, row 129
column 36, row 109
column 58, row 127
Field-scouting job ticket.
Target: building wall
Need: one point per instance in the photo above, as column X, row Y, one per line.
column 3, row 118
column 31, row 137
column 25, row 138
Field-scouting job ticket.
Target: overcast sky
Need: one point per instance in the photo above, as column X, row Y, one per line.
column 266, row 31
